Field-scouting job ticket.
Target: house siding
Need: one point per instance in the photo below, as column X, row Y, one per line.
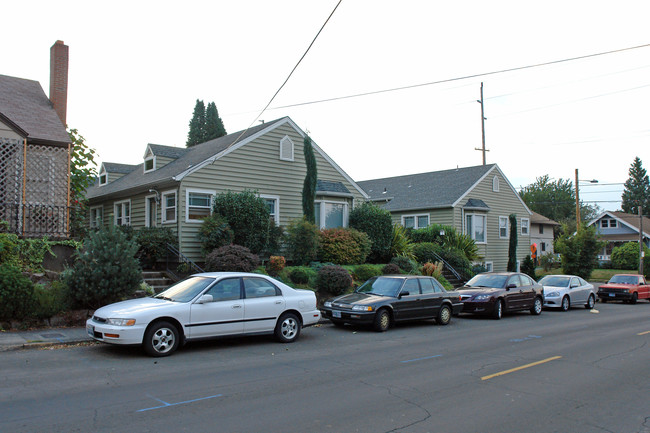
column 162, row 161
column 7, row 132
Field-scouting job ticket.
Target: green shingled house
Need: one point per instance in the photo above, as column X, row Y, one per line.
column 173, row 187
column 475, row 200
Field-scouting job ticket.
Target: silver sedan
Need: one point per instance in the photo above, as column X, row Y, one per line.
column 566, row 291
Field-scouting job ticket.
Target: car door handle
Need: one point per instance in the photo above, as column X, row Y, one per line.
column 236, row 306
column 278, row 302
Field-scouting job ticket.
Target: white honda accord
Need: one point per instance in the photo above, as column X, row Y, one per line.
column 204, row 306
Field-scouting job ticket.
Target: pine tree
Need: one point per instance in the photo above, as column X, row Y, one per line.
column 196, row 135
column 512, row 247
column 637, row 190
column 213, row 124
column 311, row 179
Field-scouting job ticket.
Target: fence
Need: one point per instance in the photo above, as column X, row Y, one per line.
column 36, row 220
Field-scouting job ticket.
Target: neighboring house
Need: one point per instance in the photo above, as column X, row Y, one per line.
column 174, row 187
column 541, row 233
column 475, row 200
column 35, row 151
column 618, row 228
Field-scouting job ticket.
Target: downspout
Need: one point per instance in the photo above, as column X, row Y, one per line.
column 24, row 198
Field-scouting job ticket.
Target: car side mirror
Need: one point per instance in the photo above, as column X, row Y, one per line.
column 511, row 286
column 205, row 299
column 404, row 293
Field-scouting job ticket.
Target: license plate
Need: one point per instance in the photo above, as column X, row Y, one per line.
column 612, row 295
column 336, row 314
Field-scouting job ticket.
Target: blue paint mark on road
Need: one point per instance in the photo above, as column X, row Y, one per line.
column 530, row 337
column 165, row 404
column 421, row 359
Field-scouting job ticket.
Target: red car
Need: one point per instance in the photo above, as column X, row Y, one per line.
column 625, row 287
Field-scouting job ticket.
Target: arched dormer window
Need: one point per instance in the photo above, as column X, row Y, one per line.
column 495, row 184
column 286, row 149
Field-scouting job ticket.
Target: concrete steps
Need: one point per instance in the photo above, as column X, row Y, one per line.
column 158, row 280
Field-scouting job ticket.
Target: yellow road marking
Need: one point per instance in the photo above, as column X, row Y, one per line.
column 643, row 333
column 532, row 364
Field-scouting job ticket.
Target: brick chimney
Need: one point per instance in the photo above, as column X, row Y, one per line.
column 59, row 79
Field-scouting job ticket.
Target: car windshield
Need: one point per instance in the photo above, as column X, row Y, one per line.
column 186, row 290
column 624, row 279
column 382, row 286
column 488, row 280
column 555, row 281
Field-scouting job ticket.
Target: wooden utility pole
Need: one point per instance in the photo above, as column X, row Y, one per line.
column 577, row 202
column 641, row 249
column 480, row 101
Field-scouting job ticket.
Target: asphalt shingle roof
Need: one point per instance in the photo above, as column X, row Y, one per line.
column 25, row 104
column 330, row 186
column 437, row 189
column 114, row 167
column 168, row 151
column 188, row 158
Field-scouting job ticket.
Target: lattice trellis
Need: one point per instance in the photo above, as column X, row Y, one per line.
column 11, row 180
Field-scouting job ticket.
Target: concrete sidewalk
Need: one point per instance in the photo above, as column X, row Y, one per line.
column 13, row 340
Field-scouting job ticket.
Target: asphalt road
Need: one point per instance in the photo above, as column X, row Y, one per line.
column 558, row 372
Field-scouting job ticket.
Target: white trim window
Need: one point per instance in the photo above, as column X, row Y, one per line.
column 415, row 221
column 122, row 213
column 286, row 149
column 489, row 266
column 525, row 226
column 503, row 227
column 149, row 161
column 198, row 205
column 495, row 184
column 96, row 216
column 169, row 206
column 331, row 214
column 273, row 205
column 476, row 227
column 103, row 177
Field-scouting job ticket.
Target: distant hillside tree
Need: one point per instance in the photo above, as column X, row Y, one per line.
column 311, row 179
column 637, row 190
column 213, row 124
column 196, row 133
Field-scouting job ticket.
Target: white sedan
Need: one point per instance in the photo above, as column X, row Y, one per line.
column 566, row 291
column 204, row 306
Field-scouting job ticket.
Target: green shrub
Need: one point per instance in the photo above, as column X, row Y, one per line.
column 431, row 234
column 401, row 244
column 579, row 252
column 344, row 246
column 528, row 267
column 626, row 256
column 405, row 264
column 299, row 276
column 50, row 301
column 247, row 215
column 16, row 293
column 105, row 269
column 365, row 272
column 390, row 269
column 231, row 258
column 275, row 265
column 548, row 262
column 276, row 239
column 457, row 260
column 377, row 224
column 426, row 252
column 9, row 248
column 334, row 280
column 214, row 233
column 153, row 242
column 302, row 241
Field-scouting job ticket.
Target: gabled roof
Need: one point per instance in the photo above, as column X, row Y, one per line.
column 436, row 189
column 630, row 220
column 167, row 151
column 114, row 167
column 24, row 104
column 536, row 218
column 194, row 158
column 328, row 186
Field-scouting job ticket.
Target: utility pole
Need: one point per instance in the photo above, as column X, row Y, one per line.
column 480, row 101
column 641, row 249
column 577, row 202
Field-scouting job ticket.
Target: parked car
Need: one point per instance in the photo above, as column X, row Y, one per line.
column 385, row 300
column 625, row 287
column 204, row 306
column 566, row 291
column 493, row 293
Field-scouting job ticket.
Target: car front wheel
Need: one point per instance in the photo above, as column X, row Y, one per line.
column 566, row 303
column 287, row 329
column 498, row 310
column 635, row 297
column 382, row 321
column 590, row 302
column 537, row 307
column 161, row 339
column 444, row 315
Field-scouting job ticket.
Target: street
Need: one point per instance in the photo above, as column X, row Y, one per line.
column 559, row 372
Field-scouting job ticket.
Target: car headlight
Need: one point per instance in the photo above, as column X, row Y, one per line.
column 482, row 297
column 361, row 308
column 552, row 294
column 120, row 322
column 327, row 304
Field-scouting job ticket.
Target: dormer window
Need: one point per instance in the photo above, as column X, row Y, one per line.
column 286, row 149
column 149, row 161
column 103, row 176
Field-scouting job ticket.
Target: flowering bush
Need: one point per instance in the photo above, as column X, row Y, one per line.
column 275, row 265
column 344, row 246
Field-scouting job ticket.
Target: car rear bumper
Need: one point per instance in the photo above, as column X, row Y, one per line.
column 310, row 318
column 126, row 335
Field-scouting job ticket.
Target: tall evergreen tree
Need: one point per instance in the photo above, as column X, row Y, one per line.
column 213, row 124
column 311, row 179
column 196, row 134
column 512, row 247
column 637, row 190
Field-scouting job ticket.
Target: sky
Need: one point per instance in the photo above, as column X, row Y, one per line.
column 137, row 68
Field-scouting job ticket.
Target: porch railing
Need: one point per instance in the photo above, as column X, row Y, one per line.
column 36, row 220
